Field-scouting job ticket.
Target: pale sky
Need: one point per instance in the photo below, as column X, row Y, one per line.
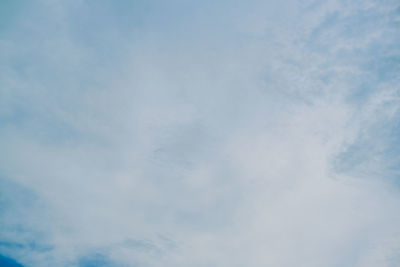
column 182, row 133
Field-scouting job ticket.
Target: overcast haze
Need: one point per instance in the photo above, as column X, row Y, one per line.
column 200, row 133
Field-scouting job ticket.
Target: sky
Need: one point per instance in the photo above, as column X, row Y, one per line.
column 200, row 133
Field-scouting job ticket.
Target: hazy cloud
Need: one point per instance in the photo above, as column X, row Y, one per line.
column 181, row 133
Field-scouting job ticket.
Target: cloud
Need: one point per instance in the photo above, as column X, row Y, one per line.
column 149, row 133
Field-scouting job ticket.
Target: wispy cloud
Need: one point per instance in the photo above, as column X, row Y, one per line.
column 153, row 133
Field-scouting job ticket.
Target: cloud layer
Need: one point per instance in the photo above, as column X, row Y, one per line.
column 182, row 133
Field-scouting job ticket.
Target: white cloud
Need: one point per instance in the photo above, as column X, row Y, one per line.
column 218, row 137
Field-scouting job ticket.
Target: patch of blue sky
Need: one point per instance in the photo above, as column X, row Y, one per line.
column 8, row 262
column 19, row 208
column 375, row 154
column 10, row 14
column 95, row 260
column 379, row 62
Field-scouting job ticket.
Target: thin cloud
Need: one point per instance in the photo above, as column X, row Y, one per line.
column 200, row 134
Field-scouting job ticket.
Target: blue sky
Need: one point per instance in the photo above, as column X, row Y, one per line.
column 200, row 133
